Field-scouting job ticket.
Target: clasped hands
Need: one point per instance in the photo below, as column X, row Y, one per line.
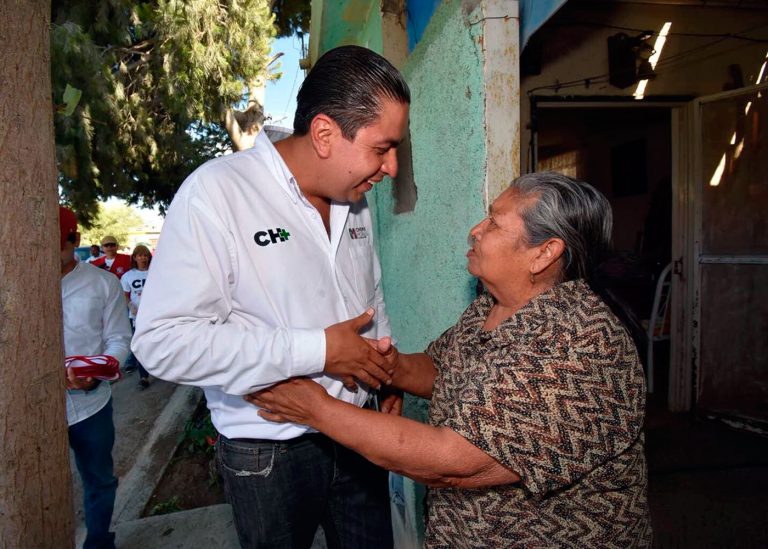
column 349, row 357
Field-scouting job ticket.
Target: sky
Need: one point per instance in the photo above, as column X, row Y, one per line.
column 280, row 98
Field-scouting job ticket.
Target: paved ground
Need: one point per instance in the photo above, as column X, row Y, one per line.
column 147, row 428
column 135, row 413
column 707, row 481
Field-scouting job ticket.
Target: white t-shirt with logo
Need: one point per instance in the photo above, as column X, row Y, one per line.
column 133, row 281
column 244, row 281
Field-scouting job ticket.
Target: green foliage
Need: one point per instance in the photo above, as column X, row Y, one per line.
column 111, row 219
column 291, row 17
column 165, row 507
column 157, row 78
column 199, row 434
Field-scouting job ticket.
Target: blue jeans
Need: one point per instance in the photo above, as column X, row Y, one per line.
column 92, row 440
column 280, row 491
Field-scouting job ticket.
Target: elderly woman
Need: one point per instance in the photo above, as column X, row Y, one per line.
column 534, row 436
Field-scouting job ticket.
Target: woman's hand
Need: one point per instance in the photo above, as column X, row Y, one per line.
column 296, row 400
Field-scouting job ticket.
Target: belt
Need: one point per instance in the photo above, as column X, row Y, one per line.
column 301, row 438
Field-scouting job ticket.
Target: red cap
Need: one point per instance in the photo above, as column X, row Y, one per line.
column 67, row 224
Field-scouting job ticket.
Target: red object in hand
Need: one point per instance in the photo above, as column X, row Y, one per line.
column 103, row 367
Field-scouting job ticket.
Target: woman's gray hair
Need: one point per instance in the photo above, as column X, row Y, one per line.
column 572, row 211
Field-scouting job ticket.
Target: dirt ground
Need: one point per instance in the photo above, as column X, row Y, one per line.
column 190, row 480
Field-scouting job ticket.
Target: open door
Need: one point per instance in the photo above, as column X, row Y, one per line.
column 726, row 256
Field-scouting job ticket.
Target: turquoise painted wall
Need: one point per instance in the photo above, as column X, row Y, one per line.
column 347, row 22
column 426, row 284
column 422, row 252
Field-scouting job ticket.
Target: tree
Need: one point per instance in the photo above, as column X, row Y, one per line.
column 146, row 91
column 118, row 220
column 35, row 481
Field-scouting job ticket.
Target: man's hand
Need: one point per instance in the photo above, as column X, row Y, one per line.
column 295, row 400
column 74, row 382
column 349, row 356
column 391, row 400
column 388, row 352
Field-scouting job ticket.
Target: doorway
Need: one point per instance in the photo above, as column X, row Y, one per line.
column 624, row 149
column 688, row 184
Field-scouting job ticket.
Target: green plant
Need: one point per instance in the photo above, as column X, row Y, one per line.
column 199, row 434
column 165, row 507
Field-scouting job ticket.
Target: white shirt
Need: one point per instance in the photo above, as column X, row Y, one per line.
column 95, row 323
column 245, row 280
column 133, row 283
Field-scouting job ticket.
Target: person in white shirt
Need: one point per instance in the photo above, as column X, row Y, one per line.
column 133, row 284
column 266, row 270
column 94, row 324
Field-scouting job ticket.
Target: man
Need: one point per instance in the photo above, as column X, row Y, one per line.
column 115, row 263
column 266, row 270
column 95, row 253
column 95, row 323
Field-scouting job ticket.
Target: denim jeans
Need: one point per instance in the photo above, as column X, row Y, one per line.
column 280, row 491
column 92, row 440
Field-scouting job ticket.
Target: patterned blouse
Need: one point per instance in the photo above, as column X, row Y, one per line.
column 556, row 394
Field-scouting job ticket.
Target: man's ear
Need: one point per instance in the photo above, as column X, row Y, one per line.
column 322, row 130
column 548, row 254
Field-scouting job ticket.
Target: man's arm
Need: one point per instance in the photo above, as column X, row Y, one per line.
column 185, row 331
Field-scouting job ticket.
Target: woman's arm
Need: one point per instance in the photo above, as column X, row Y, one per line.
column 436, row 456
column 414, row 373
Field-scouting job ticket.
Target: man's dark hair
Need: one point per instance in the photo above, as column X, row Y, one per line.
column 348, row 84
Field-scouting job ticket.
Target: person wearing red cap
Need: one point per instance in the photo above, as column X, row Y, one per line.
column 95, row 323
column 115, row 263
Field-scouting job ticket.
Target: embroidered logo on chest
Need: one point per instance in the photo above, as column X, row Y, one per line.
column 271, row 236
column 358, row 232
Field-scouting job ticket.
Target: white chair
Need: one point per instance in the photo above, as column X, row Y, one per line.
column 658, row 324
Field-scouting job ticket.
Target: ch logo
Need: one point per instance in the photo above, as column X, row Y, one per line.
column 265, row 238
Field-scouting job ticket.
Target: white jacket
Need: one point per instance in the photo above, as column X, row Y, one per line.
column 245, row 280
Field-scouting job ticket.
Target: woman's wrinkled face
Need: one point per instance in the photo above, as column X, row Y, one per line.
column 499, row 253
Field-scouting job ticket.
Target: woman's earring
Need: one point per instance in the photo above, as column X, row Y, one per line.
column 533, row 279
